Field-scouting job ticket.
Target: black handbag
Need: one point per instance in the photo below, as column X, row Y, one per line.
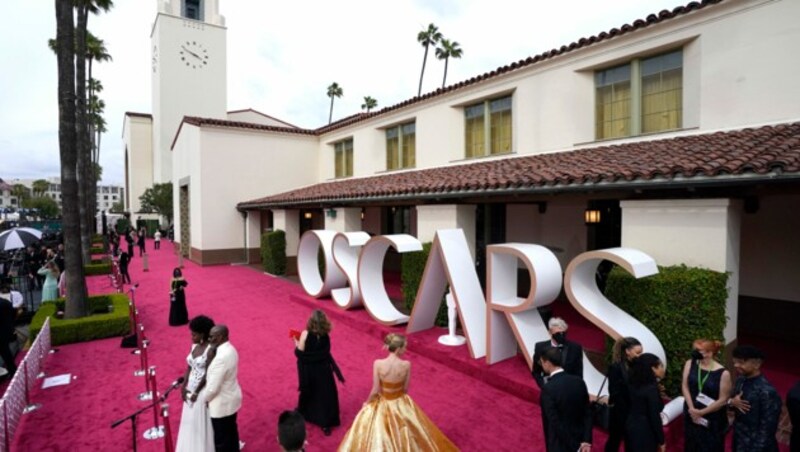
column 601, row 412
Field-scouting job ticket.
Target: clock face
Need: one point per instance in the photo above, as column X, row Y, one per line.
column 193, row 54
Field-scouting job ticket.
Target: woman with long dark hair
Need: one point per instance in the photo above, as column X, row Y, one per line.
column 178, row 314
column 644, row 430
column 319, row 399
column 625, row 351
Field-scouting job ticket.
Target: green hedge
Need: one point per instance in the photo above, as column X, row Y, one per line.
column 100, row 324
column 122, row 225
column 97, row 239
column 96, row 250
column 273, row 252
column 679, row 304
column 413, row 265
column 92, row 269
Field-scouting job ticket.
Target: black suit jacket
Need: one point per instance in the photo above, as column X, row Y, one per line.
column 566, row 415
column 7, row 315
column 793, row 405
column 572, row 363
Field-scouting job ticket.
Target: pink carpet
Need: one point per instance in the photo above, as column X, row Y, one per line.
column 479, row 407
column 259, row 311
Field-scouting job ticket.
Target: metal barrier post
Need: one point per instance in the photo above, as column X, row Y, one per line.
column 168, row 446
column 156, row 431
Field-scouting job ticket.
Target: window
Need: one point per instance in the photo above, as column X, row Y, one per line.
column 192, row 9
column 488, row 127
column 401, row 146
column 396, row 220
column 105, row 197
column 643, row 96
column 343, row 158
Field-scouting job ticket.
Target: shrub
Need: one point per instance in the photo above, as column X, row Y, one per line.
column 679, row 304
column 101, row 323
column 412, row 268
column 97, row 239
column 96, row 250
column 92, row 269
column 273, row 252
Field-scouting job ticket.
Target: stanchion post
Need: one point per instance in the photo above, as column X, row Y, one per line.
column 168, row 446
column 154, row 388
column 145, row 265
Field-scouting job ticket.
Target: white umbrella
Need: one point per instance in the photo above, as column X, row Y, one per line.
column 19, row 238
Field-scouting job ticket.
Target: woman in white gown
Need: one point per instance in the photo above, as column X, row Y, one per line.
column 195, row 433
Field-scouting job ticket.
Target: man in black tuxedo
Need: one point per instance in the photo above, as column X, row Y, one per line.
column 566, row 414
column 7, row 331
column 571, row 352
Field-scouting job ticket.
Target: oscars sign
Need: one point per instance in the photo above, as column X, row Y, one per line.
column 497, row 324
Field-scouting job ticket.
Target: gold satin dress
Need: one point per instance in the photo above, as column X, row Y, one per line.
column 393, row 422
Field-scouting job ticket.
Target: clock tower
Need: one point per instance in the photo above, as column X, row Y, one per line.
column 189, row 75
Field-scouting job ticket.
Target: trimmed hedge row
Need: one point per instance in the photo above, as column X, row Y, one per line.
column 412, row 268
column 679, row 304
column 101, row 323
column 96, row 250
column 273, row 252
column 92, row 269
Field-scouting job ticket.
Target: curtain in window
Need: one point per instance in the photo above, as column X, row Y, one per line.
column 474, row 131
column 409, row 145
column 348, row 151
column 662, row 92
column 392, row 148
column 339, row 159
column 613, row 102
column 500, row 127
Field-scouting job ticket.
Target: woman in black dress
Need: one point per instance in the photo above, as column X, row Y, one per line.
column 625, row 351
column 178, row 315
column 644, row 430
column 319, row 398
column 706, row 387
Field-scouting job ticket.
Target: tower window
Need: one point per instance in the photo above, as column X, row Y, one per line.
column 192, row 9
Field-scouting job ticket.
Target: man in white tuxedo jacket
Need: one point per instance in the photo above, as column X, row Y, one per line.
column 223, row 395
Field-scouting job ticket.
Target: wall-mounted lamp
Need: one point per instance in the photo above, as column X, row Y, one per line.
column 330, row 213
column 362, row 214
column 308, row 215
column 591, row 216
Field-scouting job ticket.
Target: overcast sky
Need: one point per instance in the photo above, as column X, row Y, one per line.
column 282, row 55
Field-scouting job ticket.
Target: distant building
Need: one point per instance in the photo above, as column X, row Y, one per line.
column 107, row 195
column 7, row 199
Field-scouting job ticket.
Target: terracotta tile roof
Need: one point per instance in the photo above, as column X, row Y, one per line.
column 197, row 121
column 768, row 152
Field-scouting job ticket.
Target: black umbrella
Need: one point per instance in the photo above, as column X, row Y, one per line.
column 18, row 238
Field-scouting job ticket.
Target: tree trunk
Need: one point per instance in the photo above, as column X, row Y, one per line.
column 330, row 115
column 444, row 79
column 76, row 305
column 81, row 123
column 424, row 59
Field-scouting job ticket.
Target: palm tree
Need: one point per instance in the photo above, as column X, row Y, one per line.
column 87, row 196
column 77, row 302
column 427, row 38
column 40, row 186
column 20, row 192
column 333, row 91
column 369, row 103
column 445, row 51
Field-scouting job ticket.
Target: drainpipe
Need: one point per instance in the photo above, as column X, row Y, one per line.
column 245, row 214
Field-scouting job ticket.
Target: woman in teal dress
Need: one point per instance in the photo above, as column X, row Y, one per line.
column 50, row 287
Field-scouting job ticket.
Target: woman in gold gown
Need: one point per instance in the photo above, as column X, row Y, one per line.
column 390, row 420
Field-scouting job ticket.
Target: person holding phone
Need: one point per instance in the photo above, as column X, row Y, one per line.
column 318, row 401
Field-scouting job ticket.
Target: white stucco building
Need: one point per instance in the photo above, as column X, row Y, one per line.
column 678, row 133
column 107, row 194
